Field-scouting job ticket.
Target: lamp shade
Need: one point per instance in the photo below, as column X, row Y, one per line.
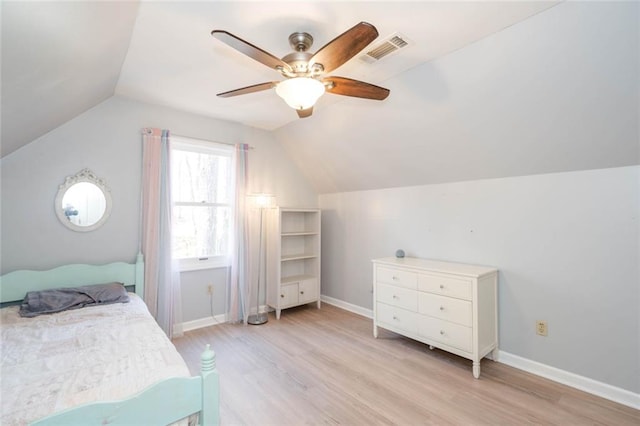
column 261, row 200
column 300, row 92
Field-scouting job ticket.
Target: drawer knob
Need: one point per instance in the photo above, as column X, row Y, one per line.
column 441, row 286
column 394, row 278
column 302, row 292
column 441, row 333
column 394, row 296
column 442, row 308
column 395, row 317
column 282, row 295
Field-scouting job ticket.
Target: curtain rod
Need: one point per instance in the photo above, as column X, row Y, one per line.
column 206, row 140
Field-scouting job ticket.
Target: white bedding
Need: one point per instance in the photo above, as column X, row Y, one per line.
column 53, row 362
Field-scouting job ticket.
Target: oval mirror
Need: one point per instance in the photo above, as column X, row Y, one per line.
column 83, row 202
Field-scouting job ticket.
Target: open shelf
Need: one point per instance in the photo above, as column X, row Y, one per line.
column 288, row 257
column 296, row 278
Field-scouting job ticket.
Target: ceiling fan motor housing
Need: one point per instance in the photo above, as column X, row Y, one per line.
column 298, row 62
column 298, row 59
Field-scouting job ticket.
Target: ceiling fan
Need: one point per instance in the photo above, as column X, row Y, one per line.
column 305, row 72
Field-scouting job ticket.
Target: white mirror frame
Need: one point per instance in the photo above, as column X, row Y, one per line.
column 84, row 175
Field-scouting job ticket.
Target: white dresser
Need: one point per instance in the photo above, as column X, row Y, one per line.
column 451, row 306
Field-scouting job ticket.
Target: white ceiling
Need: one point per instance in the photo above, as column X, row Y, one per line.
column 61, row 58
column 173, row 60
column 486, row 90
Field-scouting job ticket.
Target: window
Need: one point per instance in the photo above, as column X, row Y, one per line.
column 202, row 193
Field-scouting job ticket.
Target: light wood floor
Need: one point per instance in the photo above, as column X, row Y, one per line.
column 324, row 367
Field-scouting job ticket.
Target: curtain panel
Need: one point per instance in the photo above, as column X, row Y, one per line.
column 238, row 286
column 161, row 276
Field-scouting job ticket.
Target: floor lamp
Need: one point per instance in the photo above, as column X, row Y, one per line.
column 260, row 201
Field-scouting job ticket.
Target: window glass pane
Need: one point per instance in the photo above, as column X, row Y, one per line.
column 200, row 231
column 200, row 177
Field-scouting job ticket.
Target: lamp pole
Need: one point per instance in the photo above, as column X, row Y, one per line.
column 259, row 318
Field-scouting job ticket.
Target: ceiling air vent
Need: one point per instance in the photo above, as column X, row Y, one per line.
column 391, row 44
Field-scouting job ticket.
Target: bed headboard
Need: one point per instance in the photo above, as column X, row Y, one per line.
column 15, row 285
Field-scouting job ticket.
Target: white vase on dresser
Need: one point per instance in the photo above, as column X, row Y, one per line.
column 451, row 306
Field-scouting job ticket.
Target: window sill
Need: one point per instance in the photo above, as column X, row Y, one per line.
column 202, row 265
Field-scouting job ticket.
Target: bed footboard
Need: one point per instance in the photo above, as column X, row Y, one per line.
column 164, row 403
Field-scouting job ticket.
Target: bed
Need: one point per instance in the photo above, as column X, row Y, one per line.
column 105, row 364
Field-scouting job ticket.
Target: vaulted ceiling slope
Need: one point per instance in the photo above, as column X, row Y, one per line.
column 58, row 60
column 557, row 92
column 484, row 90
column 62, row 58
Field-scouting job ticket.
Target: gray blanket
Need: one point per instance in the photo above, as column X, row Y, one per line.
column 62, row 299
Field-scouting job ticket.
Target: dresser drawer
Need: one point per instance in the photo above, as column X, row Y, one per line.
column 397, row 296
column 448, row 333
column 446, row 308
column 397, row 318
column 446, row 286
column 397, row 277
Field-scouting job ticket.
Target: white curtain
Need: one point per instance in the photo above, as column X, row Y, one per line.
column 238, row 286
column 161, row 275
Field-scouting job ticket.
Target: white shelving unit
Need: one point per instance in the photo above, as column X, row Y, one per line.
column 293, row 258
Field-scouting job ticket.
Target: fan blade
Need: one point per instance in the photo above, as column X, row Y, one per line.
column 344, row 47
column 304, row 113
column 250, row 50
column 248, row 89
column 360, row 89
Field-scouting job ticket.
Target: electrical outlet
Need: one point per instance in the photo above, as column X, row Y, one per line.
column 541, row 328
column 210, row 289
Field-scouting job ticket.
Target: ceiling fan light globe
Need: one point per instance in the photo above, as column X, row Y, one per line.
column 300, row 92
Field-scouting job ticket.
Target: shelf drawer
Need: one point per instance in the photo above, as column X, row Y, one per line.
column 397, row 277
column 448, row 333
column 308, row 290
column 446, row 308
column 397, row 318
column 298, row 292
column 452, row 286
column 397, row 296
column 289, row 295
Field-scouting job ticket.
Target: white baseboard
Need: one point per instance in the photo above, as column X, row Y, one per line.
column 214, row 320
column 613, row 393
column 204, row 322
column 347, row 306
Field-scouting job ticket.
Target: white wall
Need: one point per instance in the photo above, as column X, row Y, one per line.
column 566, row 245
column 107, row 140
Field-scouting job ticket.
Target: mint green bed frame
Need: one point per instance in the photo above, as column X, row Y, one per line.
column 160, row 404
column 15, row 285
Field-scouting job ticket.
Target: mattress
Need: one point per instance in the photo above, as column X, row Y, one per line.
column 54, row 362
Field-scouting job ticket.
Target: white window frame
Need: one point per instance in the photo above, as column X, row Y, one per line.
column 216, row 148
